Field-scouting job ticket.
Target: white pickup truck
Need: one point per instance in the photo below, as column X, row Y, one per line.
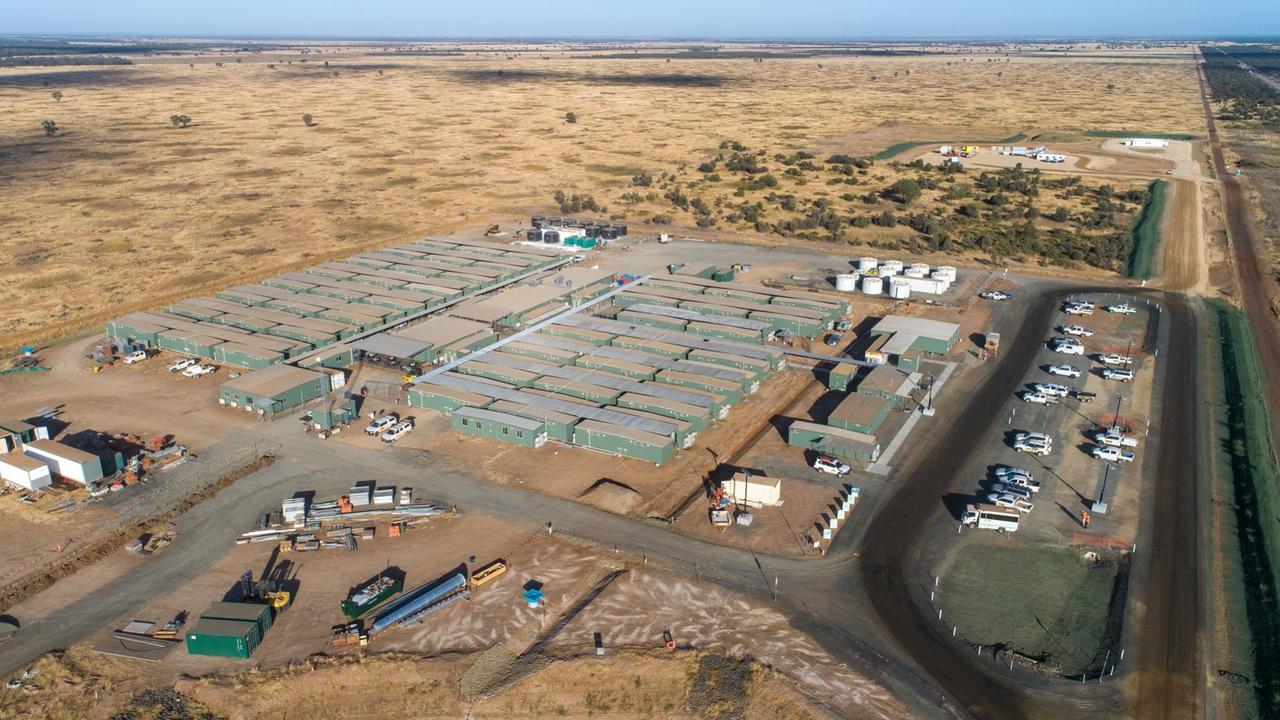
column 1113, row 454
column 1112, row 438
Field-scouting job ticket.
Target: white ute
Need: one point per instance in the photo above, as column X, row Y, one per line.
column 831, row 466
column 1123, row 309
column 1033, row 446
column 1010, row 501
column 1114, row 359
column 1036, row 398
column 180, row 365
column 1112, row 454
column 1078, row 309
column 1077, row 330
column 1114, row 438
column 1052, row 389
column 1067, row 346
column 382, row 423
column 397, row 431
column 198, row 370
column 1065, row 370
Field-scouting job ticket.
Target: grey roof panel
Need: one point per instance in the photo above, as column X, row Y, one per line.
column 692, row 316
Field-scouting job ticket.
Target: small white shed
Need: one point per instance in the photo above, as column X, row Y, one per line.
column 753, row 490
column 66, row 461
column 23, row 471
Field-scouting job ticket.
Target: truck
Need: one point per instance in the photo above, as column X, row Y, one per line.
column 1114, row 438
column 991, row 517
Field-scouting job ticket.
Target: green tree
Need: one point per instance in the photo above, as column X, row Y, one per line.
column 308, row 120
column 570, row 118
column 905, row 191
column 57, row 96
column 180, row 121
column 50, row 128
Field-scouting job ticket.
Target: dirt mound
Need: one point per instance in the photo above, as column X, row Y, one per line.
column 163, row 704
column 611, row 496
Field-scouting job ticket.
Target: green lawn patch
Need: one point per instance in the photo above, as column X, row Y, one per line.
column 1139, row 134
column 1245, row 437
column 1146, row 233
column 1043, row 601
column 904, row 146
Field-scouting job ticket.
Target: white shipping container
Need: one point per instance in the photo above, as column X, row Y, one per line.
column 927, row 286
column 359, row 496
column 24, row 471
column 66, row 461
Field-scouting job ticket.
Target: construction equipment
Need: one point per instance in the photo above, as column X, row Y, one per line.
column 493, row 230
column 488, row 573
column 171, row 628
column 992, row 343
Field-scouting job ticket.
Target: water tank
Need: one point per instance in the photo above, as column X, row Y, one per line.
column 534, row 234
column 899, row 290
column 847, row 282
column 538, row 221
column 608, row 232
column 889, row 268
column 867, row 263
column 916, row 272
column 944, row 272
column 622, row 230
column 872, row 285
column 593, row 231
column 551, row 236
column 920, row 268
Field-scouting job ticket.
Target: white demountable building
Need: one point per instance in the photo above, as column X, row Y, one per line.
column 1146, row 143
column 754, row 491
column 24, row 471
column 65, row 461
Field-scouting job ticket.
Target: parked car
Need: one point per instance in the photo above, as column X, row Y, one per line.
column 198, row 370
column 1114, row 359
column 577, row 258
column 397, row 431
column 135, row 357
column 1023, row 481
column 1112, row 454
column 1036, row 398
column 1039, row 437
column 830, row 465
column 833, row 339
column 1065, row 370
column 1115, row 438
column 1052, row 389
column 1078, row 310
column 1114, row 374
column 995, row 295
column 1082, row 396
column 1010, row 501
column 1078, row 331
column 1122, row 309
column 1033, row 447
column 180, row 365
column 1012, row 489
column 1008, row 470
column 842, row 326
column 1067, row 346
column 381, row 424
column 1086, row 304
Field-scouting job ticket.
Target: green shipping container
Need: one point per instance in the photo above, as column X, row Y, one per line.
column 258, row 613
column 223, row 638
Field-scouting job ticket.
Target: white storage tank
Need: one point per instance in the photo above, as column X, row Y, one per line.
column 872, row 285
column 889, row 268
column 921, row 268
column 846, row 282
column 916, row 272
column 899, row 289
column 867, row 263
column 944, row 272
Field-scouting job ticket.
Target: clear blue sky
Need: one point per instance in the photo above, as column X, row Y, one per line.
column 645, row 18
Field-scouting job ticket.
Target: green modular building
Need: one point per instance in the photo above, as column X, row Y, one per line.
column 757, row 367
column 342, row 412
column 314, row 338
column 911, row 333
column 710, row 307
column 685, row 433
column 287, row 284
column 543, row 353
column 246, row 356
column 298, row 307
column 624, row 441
column 830, row 310
column 833, row 441
column 223, row 638
column 863, row 413
column 500, row 426
column 697, row 416
column 586, row 335
column 745, row 379
column 444, row 400
column 672, row 284
column 511, row 376
column 577, row 389
column 656, row 321
column 841, row 376
column 723, row 332
column 634, row 371
column 131, row 327
column 558, row 425
column 731, row 391
column 335, row 357
column 627, row 299
column 657, row 347
column 257, row 613
column 245, row 322
column 274, row 389
column 187, row 343
column 243, row 296
column 791, row 323
column 759, row 298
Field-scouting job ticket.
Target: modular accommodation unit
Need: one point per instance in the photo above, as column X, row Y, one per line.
column 502, row 426
column 341, row 355
column 886, row 382
column 399, row 307
column 359, row 315
column 314, row 338
column 724, row 388
column 509, row 376
column 295, row 285
column 730, row 292
column 655, row 321
column 627, row 299
column 697, row 416
column 841, row 375
column 657, row 347
column 194, row 311
column 522, row 362
column 685, row 432
column 582, row 389
column 243, row 296
column 245, row 322
column 467, row 345
column 25, row 432
column 132, row 328
column 65, row 461
column 791, row 323
column 328, row 272
column 930, row 336
column 274, row 389
column 624, row 441
column 295, row 306
column 188, row 343
column 246, row 356
column 223, row 638
column 757, row 367
column 540, row 352
column 583, row 335
column 715, row 306
column 863, row 413
column 626, row 369
column 833, row 440
column 724, row 332
column 24, row 471
column 745, row 379
column 558, row 425
column 444, row 400
column 264, row 290
column 284, row 346
column 829, row 309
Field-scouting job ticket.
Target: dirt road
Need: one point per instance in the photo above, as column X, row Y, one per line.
column 1183, row 263
column 1169, row 631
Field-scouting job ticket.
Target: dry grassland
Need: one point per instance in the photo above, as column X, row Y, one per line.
column 121, row 210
